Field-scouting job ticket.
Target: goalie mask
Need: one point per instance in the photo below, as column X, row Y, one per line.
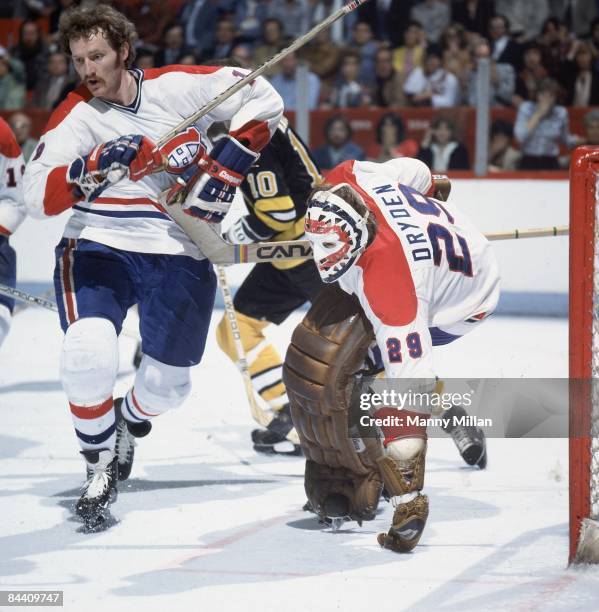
column 337, row 232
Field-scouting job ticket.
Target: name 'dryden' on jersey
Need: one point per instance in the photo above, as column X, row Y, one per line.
column 412, row 235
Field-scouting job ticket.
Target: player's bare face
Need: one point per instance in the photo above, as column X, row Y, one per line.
column 101, row 68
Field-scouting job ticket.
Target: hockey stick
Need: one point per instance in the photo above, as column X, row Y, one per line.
column 221, row 252
column 25, row 305
column 259, row 415
column 275, row 59
column 34, row 300
column 116, row 175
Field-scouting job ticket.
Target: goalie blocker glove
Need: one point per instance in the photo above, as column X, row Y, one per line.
column 221, row 173
column 134, row 156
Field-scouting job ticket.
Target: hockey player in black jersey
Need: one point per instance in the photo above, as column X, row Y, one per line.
column 275, row 191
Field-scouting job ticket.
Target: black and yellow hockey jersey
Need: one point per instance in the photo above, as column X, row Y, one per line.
column 276, row 189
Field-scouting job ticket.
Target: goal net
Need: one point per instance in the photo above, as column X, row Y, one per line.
column 584, row 356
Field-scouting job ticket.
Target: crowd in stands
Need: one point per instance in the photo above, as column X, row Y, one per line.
column 543, row 54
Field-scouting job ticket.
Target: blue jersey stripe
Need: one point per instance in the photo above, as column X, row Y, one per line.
column 128, row 214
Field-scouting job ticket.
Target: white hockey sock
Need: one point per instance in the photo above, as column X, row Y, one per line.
column 95, row 425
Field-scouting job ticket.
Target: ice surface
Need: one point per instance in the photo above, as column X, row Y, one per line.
column 206, row 524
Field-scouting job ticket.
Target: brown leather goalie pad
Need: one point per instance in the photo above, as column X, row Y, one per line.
column 327, row 349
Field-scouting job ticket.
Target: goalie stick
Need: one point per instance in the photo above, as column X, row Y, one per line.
column 220, row 252
column 35, row 300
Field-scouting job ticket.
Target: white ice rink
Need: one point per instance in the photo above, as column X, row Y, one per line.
column 206, row 524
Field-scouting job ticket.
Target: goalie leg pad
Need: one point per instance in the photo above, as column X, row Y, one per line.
column 339, row 492
column 158, row 387
column 89, row 361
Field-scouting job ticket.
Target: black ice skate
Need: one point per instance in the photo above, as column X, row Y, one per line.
column 273, row 439
column 469, row 439
column 100, row 489
column 126, row 432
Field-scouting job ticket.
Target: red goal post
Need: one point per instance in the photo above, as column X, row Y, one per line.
column 584, row 355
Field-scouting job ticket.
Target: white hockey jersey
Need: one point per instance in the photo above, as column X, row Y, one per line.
column 12, row 166
column 128, row 215
column 428, row 272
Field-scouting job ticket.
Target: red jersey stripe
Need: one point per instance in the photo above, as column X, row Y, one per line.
column 153, row 73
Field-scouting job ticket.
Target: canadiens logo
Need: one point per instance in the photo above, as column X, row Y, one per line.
column 183, row 150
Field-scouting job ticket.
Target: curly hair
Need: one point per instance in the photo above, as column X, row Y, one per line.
column 83, row 22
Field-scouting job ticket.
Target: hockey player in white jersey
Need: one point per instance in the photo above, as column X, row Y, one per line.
column 120, row 247
column 12, row 213
column 424, row 276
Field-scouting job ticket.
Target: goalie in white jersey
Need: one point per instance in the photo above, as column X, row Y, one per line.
column 424, row 276
column 12, row 213
column 120, row 247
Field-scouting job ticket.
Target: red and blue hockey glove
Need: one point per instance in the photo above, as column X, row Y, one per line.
column 133, row 156
column 224, row 169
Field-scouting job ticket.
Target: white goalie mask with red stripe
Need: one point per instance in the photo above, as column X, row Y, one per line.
column 337, row 232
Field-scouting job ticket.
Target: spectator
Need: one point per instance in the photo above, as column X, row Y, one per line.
column 48, row 90
column 504, row 50
column 60, row 8
column 189, row 60
column 555, row 43
column 319, row 10
column 173, row 46
column 387, row 18
column 581, row 79
column 242, row 54
column 20, row 124
column 32, row 52
column 144, row 59
column 224, row 41
column 530, row 76
column 249, row 16
column 200, row 18
column 526, row 18
column 474, row 15
column 293, row 14
column 594, row 40
column 150, row 18
column 456, row 55
column 434, row 16
column 591, row 128
column 391, row 141
column 286, row 84
column 349, row 92
column 388, row 89
column 540, row 127
column 411, row 54
column 323, row 57
column 432, row 85
column 272, row 42
column 576, row 15
column 503, row 80
column 363, row 42
column 339, row 146
column 503, row 157
column 12, row 82
column 440, row 150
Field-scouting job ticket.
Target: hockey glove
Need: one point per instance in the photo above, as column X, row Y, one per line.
column 134, row 156
column 224, row 170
